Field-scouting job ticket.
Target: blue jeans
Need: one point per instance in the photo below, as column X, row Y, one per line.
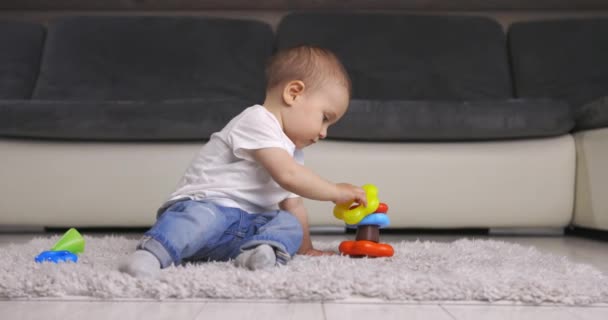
column 191, row 230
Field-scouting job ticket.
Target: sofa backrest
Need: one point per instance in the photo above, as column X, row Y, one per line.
column 410, row 57
column 154, row 58
column 562, row 59
column 20, row 50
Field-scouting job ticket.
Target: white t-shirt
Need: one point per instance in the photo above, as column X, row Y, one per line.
column 225, row 172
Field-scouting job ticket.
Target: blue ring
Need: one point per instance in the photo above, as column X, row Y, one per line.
column 378, row 219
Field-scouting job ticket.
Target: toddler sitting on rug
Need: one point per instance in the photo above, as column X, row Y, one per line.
column 240, row 199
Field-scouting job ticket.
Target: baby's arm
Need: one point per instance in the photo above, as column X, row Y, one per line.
column 300, row 180
column 296, row 207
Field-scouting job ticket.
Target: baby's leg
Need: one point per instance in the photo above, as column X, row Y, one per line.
column 279, row 230
column 181, row 231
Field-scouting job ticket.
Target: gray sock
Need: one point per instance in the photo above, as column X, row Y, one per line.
column 141, row 264
column 260, row 257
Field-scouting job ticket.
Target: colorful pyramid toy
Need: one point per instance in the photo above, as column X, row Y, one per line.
column 66, row 249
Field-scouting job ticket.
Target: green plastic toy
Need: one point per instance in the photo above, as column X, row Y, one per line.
column 71, row 241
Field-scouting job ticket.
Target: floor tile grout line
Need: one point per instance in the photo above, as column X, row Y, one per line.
column 323, row 312
column 447, row 311
column 202, row 307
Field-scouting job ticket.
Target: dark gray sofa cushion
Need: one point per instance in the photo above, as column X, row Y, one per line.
column 561, row 59
column 20, row 52
column 179, row 120
column 373, row 120
column 592, row 115
column 154, row 58
column 409, row 57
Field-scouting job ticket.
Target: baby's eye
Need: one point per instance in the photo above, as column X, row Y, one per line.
column 325, row 118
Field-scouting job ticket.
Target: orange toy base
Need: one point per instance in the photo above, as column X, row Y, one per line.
column 366, row 248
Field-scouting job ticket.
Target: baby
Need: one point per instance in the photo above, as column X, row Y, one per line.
column 241, row 197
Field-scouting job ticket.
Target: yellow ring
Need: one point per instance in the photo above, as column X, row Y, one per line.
column 355, row 215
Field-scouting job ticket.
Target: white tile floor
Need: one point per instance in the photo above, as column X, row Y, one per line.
column 577, row 249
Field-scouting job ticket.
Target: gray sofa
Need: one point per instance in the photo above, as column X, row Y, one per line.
column 457, row 121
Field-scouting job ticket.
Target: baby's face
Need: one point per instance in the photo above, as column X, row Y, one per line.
column 308, row 119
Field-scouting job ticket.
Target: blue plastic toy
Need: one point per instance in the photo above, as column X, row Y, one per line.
column 56, row 256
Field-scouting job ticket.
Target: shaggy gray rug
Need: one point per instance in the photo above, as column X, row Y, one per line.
column 468, row 270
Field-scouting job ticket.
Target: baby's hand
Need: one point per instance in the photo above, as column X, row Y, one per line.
column 348, row 192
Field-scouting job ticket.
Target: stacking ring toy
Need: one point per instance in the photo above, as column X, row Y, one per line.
column 354, row 215
column 368, row 221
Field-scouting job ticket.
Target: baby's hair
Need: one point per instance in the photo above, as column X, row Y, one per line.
column 311, row 64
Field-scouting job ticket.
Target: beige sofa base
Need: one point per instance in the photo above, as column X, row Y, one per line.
column 591, row 209
column 524, row 183
column 528, row 183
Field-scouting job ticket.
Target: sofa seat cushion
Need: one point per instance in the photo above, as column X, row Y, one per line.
column 171, row 120
column 369, row 120
column 20, row 52
column 592, row 115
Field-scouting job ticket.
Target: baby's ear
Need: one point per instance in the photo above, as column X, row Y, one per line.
column 292, row 91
